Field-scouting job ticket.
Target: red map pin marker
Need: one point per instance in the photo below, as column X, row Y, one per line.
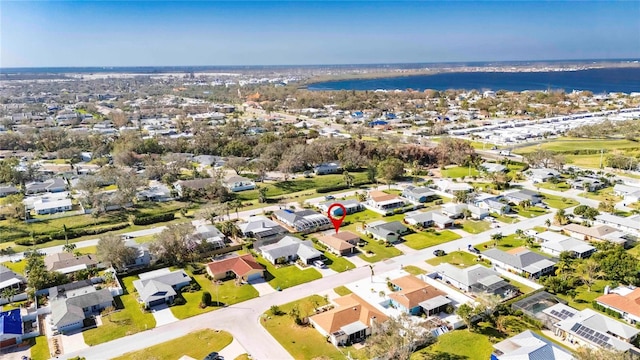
column 337, row 222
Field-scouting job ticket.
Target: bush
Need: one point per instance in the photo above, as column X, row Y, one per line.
column 327, row 189
column 179, row 301
column 71, row 234
column 275, row 310
column 206, row 298
column 152, row 219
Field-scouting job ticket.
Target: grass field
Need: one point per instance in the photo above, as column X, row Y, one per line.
column 457, row 258
column 567, row 144
column 561, row 186
column 287, row 276
column 523, row 288
column 302, row 342
column 584, row 297
column 342, row 290
column 413, row 270
column 425, row 239
column 529, row 212
column 130, row 320
column 380, row 252
column 475, row 226
column 197, row 345
column 337, row 263
column 227, row 293
column 17, row 267
column 450, row 347
column 39, row 348
column 459, row 172
column 558, row 202
column 602, row 195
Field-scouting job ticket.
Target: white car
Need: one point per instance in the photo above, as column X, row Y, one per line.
column 319, row 263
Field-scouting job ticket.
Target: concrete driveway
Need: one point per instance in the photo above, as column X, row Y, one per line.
column 15, row 353
column 73, row 342
column 262, row 286
column 233, row 350
column 163, row 315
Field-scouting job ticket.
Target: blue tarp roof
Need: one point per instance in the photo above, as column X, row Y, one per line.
column 378, row 122
column 10, row 322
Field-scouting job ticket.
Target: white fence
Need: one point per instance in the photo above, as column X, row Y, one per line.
column 518, row 278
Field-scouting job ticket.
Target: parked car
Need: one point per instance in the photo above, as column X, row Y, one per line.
column 213, row 356
column 329, row 197
column 439, row 252
column 319, row 263
column 474, row 250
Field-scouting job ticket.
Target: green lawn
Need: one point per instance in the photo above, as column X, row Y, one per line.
column 510, row 242
column 458, row 345
column 40, row 348
column 558, row 202
column 425, row 239
column 504, row 218
column 561, row 186
column 242, row 357
column 197, row 345
column 458, row 258
column 459, row 172
column 475, row 226
column 413, row 270
column 130, row 320
column 228, row 293
column 584, row 297
column 337, row 263
column 287, row 276
column 523, row 288
column 568, row 144
column 602, row 195
column 302, row 342
column 530, row 212
column 17, row 267
column 342, row 290
column 380, row 252
column 88, row 250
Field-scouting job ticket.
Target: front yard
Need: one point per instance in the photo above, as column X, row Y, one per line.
column 475, row 226
column 424, row 239
column 197, row 345
column 40, row 347
column 558, row 202
column 342, row 290
column 302, row 342
column 227, row 293
column 457, row 258
column 337, row 263
column 129, row 320
column 584, row 297
column 561, row 186
column 413, row 270
column 602, row 195
column 459, row 172
column 378, row 251
column 450, row 346
column 287, row 276
column 504, row 218
column 529, row 212
column 17, row 267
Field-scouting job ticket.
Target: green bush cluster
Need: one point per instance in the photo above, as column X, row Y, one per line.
column 606, row 310
column 327, row 189
column 152, row 219
column 71, row 234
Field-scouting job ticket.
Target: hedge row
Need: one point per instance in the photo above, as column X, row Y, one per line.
column 327, row 189
column 71, row 234
column 152, row 219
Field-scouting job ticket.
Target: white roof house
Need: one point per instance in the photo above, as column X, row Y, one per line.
column 45, row 206
column 529, row 346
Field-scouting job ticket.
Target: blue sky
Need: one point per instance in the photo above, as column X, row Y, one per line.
column 154, row 33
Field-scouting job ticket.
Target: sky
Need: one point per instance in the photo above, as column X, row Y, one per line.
column 185, row 33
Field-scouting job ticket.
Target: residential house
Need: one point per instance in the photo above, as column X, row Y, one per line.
column 71, row 304
column 327, row 168
column 554, row 244
column 414, row 296
column 350, row 321
column 629, row 194
column 7, row 190
column 519, row 196
column 159, row 193
column 142, row 256
column 495, row 206
column 207, row 234
column 264, row 230
column 542, row 175
column 529, row 345
column 341, row 243
column 66, row 263
column 290, row 249
column 10, row 328
column 382, row 201
column 451, row 187
column 52, row 185
column 629, row 224
column 239, row 183
column 586, row 184
column 160, row 286
column 244, row 267
column 390, row 232
column 351, row 206
column 625, row 300
column 427, row 219
column 521, row 260
column 197, row 185
column 45, row 206
column 592, row 329
column 418, row 194
column 493, row 167
column 476, row 279
column 303, row 220
column 10, row 279
column 453, row 210
column 597, row 233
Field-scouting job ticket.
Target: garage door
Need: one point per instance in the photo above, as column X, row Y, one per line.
column 255, row 276
column 156, row 302
column 7, row 343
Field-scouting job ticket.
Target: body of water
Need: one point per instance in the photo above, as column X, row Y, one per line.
column 596, row 80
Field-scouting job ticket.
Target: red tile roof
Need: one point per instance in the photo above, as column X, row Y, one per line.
column 240, row 265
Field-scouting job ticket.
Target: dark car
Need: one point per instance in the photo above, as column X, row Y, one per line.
column 329, row 197
column 474, row 250
column 439, row 252
column 214, row 356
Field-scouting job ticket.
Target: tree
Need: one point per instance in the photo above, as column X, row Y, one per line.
column 560, row 217
column 8, row 293
column 390, row 169
column 372, row 174
column 111, row 249
column 69, row 247
column 171, row 245
column 236, row 164
column 397, row 338
column 206, row 299
column 38, row 276
column 547, row 223
column 13, row 206
column 607, row 205
column 466, row 313
column 236, row 204
column 348, row 179
column 525, row 204
column 262, row 195
column 589, row 271
column 588, row 353
column 463, row 197
column 496, row 238
column 229, row 229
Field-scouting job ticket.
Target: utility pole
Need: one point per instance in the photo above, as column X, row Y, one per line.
column 601, row 155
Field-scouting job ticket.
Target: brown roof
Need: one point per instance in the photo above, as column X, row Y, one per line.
column 596, row 232
column 414, row 291
column 379, row 196
column 63, row 260
column 340, row 240
column 629, row 303
column 350, row 308
column 240, row 265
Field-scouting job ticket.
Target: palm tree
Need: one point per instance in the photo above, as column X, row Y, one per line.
column 561, row 217
column 519, row 233
column 589, row 271
column 236, row 204
column 496, row 238
column 229, row 229
column 548, row 223
column 262, row 195
column 8, row 293
column 69, row 247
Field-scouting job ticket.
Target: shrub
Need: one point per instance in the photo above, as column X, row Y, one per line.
column 206, row 298
column 275, row 310
column 179, row 301
column 152, row 219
